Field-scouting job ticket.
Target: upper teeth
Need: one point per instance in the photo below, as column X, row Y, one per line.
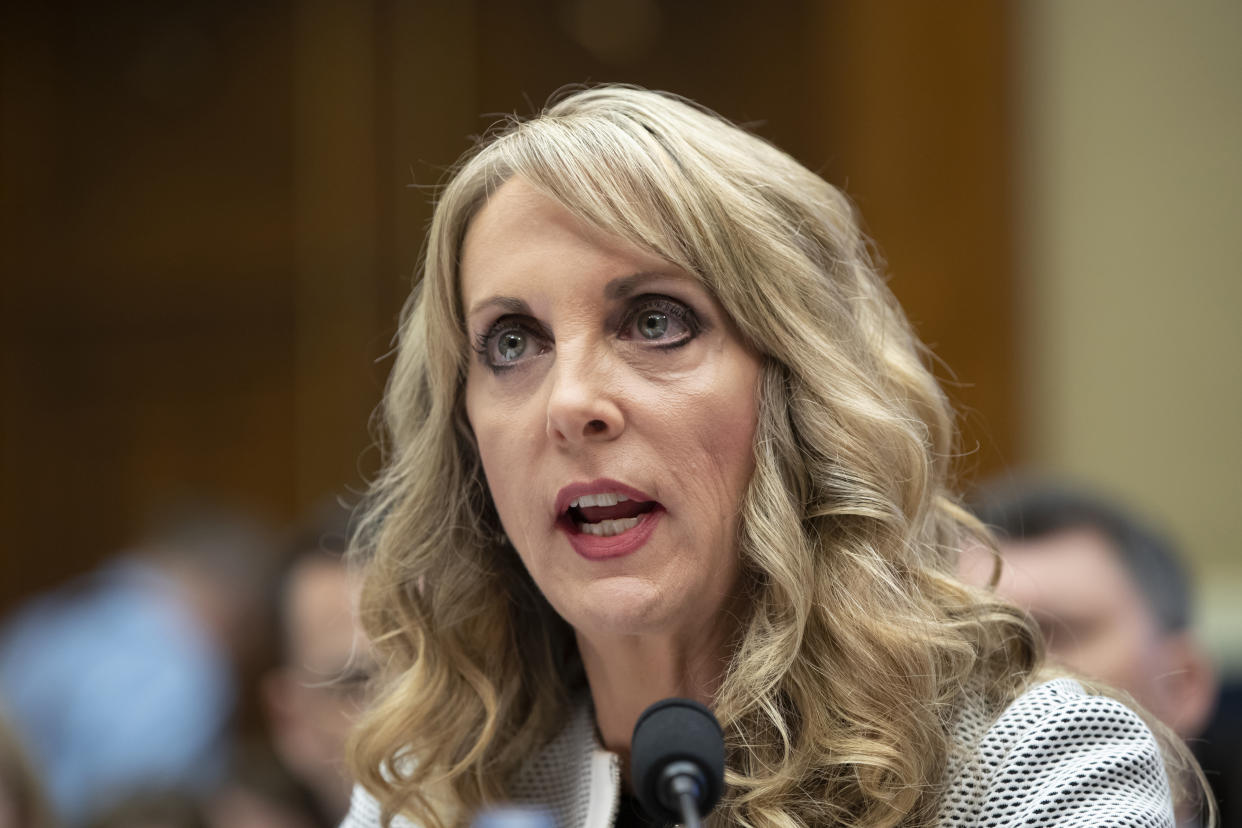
column 605, row 499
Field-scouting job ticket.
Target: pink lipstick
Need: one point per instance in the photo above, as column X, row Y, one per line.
column 605, row 518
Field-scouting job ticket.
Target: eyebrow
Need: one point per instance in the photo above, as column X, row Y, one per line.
column 619, row 288
column 624, row 286
column 510, row 304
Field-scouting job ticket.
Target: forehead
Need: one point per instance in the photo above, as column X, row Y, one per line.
column 319, row 616
column 1071, row 566
column 318, row 590
column 521, row 232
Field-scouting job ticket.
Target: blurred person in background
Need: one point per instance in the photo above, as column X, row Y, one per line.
column 260, row 793
column 311, row 694
column 125, row 679
column 1110, row 593
column 153, row 809
column 22, row 804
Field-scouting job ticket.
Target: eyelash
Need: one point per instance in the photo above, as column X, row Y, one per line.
column 483, row 341
column 673, row 308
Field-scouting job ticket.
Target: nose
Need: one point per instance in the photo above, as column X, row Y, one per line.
column 583, row 401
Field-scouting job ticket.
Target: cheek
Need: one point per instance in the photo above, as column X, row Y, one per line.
column 485, row 426
column 495, row 421
column 728, row 449
column 716, row 436
column 1114, row 652
column 504, row 444
column 735, row 421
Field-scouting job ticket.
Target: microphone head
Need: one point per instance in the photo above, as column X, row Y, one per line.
column 676, row 731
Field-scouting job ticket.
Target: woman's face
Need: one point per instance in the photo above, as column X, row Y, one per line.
column 615, row 408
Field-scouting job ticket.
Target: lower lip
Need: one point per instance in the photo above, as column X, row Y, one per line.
column 596, row 548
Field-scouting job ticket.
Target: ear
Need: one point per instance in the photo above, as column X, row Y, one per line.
column 1190, row 685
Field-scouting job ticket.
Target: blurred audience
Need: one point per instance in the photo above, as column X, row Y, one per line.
column 1111, row 595
column 21, row 795
column 261, row 793
column 153, row 809
column 124, row 680
column 322, row 663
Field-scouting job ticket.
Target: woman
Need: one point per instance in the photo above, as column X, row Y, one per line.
column 658, row 428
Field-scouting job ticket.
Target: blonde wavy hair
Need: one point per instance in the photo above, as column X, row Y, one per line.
column 859, row 642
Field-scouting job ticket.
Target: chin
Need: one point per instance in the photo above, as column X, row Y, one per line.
column 620, row 606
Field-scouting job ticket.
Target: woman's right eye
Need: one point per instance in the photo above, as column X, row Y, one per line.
column 509, row 346
column 508, row 343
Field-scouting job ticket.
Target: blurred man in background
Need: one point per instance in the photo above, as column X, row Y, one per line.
column 125, row 680
column 315, row 689
column 22, row 804
column 1110, row 594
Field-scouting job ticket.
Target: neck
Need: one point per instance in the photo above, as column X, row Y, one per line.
column 628, row 673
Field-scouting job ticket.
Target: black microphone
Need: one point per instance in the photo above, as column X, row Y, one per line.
column 677, row 761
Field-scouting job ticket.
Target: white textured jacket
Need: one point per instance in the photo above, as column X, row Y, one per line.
column 1056, row 757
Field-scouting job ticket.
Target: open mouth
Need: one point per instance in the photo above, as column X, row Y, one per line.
column 605, row 515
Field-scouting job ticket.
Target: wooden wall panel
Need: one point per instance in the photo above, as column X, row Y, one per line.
column 336, row 208
column 148, row 231
column 755, row 65
column 920, row 96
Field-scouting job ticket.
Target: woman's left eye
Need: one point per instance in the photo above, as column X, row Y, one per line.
column 652, row 324
column 661, row 321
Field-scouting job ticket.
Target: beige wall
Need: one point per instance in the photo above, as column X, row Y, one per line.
column 1131, row 142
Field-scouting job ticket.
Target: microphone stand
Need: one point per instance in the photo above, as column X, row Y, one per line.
column 687, row 793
